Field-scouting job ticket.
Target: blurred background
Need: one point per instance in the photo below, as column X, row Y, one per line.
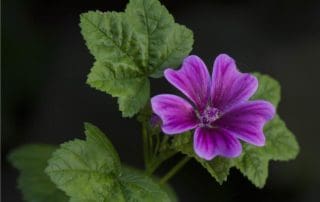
column 45, row 98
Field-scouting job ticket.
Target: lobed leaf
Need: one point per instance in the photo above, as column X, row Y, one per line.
column 90, row 170
column 130, row 46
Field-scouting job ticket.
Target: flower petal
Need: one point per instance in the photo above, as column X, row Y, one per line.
column 177, row 114
column 229, row 86
column 209, row 143
column 246, row 121
column 192, row 79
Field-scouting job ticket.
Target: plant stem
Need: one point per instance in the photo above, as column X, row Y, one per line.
column 145, row 146
column 175, row 169
column 158, row 160
column 156, row 149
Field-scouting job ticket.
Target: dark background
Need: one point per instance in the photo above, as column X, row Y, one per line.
column 45, row 98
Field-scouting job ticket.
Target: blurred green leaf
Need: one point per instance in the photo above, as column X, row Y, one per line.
column 36, row 186
column 130, row 46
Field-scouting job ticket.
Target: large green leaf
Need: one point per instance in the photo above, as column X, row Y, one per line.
column 130, row 46
column 36, row 186
column 253, row 163
column 90, row 171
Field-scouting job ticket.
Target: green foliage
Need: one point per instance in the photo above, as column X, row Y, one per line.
column 36, row 186
column 280, row 145
column 253, row 163
column 130, row 46
column 136, row 187
column 269, row 89
column 91, row 171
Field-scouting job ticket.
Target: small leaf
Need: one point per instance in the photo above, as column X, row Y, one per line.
column 130, row 46
column 31, row 160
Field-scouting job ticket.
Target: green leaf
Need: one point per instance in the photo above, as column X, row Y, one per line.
column 130, row 46
column 87, row 170
column 269, row 89
column 35, row 185
column 218, row 167
column 130, row 103
column 281, row 143
column 253, row 163
column 170, row 192
column 138, row 187
column 166, row 42
column 91, row 171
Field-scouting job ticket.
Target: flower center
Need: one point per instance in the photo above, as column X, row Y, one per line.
column 208, row 116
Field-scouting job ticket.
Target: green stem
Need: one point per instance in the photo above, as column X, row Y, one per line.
column 158, row 160
column 156, row 150
column 164, row 140
column 174, row 170
column 145, row 146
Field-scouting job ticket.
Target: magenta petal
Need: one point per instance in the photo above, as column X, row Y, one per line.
column 209, row 143
column 177, row 115
column 229, row 86
column 246, row 121
column 192, row 79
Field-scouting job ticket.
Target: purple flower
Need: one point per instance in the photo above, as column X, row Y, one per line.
column 221, row 113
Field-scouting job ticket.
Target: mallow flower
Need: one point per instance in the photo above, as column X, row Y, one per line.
column 220, row 110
